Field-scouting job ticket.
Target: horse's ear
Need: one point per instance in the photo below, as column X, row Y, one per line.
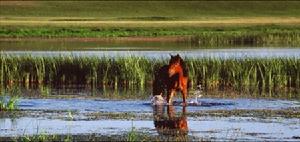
column 181, row 60
column 171, row 55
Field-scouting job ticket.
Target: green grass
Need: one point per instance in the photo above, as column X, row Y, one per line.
column 140, row 136
column 38, row 138
column 8, row 103
column 214, row 36
column 132, row 135
column 156, row 10
column 204, row 22
column 254, row 75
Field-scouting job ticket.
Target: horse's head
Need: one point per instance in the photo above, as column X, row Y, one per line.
column 175, row 65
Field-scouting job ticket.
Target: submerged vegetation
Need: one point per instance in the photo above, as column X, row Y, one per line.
column 247, row 74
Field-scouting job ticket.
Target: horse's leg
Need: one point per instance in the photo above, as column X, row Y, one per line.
column 184, row 110
column 170, row 95
column 184, row 95
column 184, row 90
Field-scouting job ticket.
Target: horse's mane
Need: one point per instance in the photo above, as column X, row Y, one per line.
column 184, row 67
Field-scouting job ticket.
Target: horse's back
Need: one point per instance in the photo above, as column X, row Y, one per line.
column 162, row 72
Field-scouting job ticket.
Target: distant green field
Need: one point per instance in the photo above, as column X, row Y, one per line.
column 150, row 10
column 209, row 21
column 269, row 35
column 209, row 36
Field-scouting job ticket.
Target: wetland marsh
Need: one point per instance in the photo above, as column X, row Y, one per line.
column 83, row 70
column 81, row 93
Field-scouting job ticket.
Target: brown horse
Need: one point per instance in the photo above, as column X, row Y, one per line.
column 172, row 77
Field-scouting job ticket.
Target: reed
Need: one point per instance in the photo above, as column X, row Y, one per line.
column 264, row 37
column 247, row 74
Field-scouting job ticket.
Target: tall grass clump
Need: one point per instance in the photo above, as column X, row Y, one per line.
column 29, row 70
column 8, row 103
column 247, row 74
column 246, row 38
column 132, row 135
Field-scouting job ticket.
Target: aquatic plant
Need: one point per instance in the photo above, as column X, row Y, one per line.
column 44, row 137
column 38, row 138
column 247, row 74
column 8, row 103
column 132, row 135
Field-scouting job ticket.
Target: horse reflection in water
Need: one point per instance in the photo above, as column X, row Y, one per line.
column 170, row 124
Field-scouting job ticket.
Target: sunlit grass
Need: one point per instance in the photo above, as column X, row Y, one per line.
column 248, row 74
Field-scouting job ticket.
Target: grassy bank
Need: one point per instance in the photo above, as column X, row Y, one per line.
column 210, row 36
column 149, row 10
column 259, row 75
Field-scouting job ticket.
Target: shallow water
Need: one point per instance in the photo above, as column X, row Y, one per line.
column 82, row 45
column 218, row 128
column 151, row 49
column 195, row 53
column 94, row 105
column 202, row 127
column 124, row 45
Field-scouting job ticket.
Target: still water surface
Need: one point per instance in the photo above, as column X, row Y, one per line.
column 140, row 48
column 209, row 127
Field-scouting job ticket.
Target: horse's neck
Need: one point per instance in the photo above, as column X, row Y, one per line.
column 180, row 72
